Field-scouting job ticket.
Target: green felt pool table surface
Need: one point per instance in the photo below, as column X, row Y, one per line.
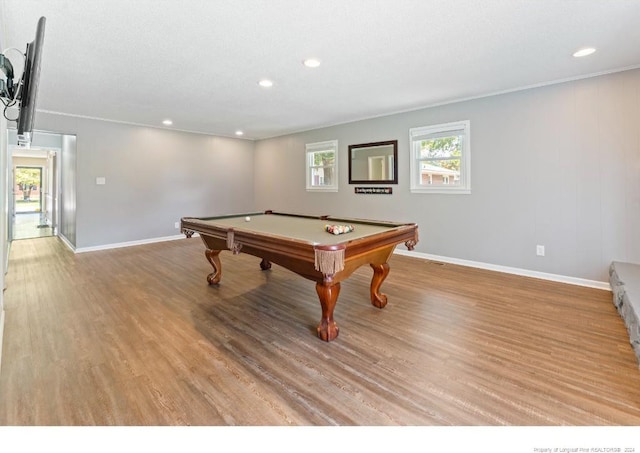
column 302, row 228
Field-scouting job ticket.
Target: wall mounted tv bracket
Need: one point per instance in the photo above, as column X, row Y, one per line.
column 7, row 87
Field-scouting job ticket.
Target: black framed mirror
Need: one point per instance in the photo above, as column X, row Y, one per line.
column 374, row 163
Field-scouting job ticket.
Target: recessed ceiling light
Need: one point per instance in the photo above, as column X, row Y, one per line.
column 311, row 62
column 265, row 83
column 167, row 122
column 584, row 52
column 239, row 133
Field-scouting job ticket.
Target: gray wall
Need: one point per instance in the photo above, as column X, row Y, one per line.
column 557, row 166
column 153, row 178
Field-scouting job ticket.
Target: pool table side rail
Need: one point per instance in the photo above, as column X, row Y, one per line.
column 396, row 233
column 255, row 214
column 317, row 260
column 381, row 223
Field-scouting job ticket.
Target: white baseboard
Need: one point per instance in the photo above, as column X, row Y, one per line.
column 127, row 244
column 425, row 256
column 510, row 270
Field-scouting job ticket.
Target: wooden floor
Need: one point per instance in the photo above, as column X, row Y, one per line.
column 135, row 336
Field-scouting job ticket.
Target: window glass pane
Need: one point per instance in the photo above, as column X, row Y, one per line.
column 322, row 176
column 322, row 166
column 440, row 172
column 441, row 158
column 450, row 146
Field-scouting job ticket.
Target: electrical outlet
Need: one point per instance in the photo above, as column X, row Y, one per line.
column 540, row 250
column 176, row 225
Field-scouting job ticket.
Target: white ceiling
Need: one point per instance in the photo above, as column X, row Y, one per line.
column 198, row 62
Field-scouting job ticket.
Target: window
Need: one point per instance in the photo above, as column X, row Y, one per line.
column 322, row 166
column 441, row 158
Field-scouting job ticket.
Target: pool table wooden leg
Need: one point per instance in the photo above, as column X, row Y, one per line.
column 328, row 294
column 380, row 272
column 214, row 258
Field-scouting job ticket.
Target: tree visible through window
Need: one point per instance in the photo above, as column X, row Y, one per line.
column 28, row 188
column 322, row 168
column 440, row 158
column 441, row 164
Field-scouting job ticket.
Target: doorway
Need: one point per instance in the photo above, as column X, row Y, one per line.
column 29, row 201
column 34, row 186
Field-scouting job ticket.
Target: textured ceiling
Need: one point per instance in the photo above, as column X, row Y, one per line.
column 198, row 62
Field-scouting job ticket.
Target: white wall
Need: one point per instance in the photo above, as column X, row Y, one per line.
column 557, row 166
column 153, row 178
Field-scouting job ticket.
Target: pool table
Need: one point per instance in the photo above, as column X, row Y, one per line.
column 303, row 245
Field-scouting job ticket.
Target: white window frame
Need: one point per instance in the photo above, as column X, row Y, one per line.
column 330, row 145
column 417, row 134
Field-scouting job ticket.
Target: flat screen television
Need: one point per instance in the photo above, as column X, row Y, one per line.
column 28, row 87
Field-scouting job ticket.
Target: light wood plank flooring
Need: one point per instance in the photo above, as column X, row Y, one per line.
column 135, row 336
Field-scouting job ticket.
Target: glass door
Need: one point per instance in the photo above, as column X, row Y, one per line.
column 29, row 218
column 28, row 190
